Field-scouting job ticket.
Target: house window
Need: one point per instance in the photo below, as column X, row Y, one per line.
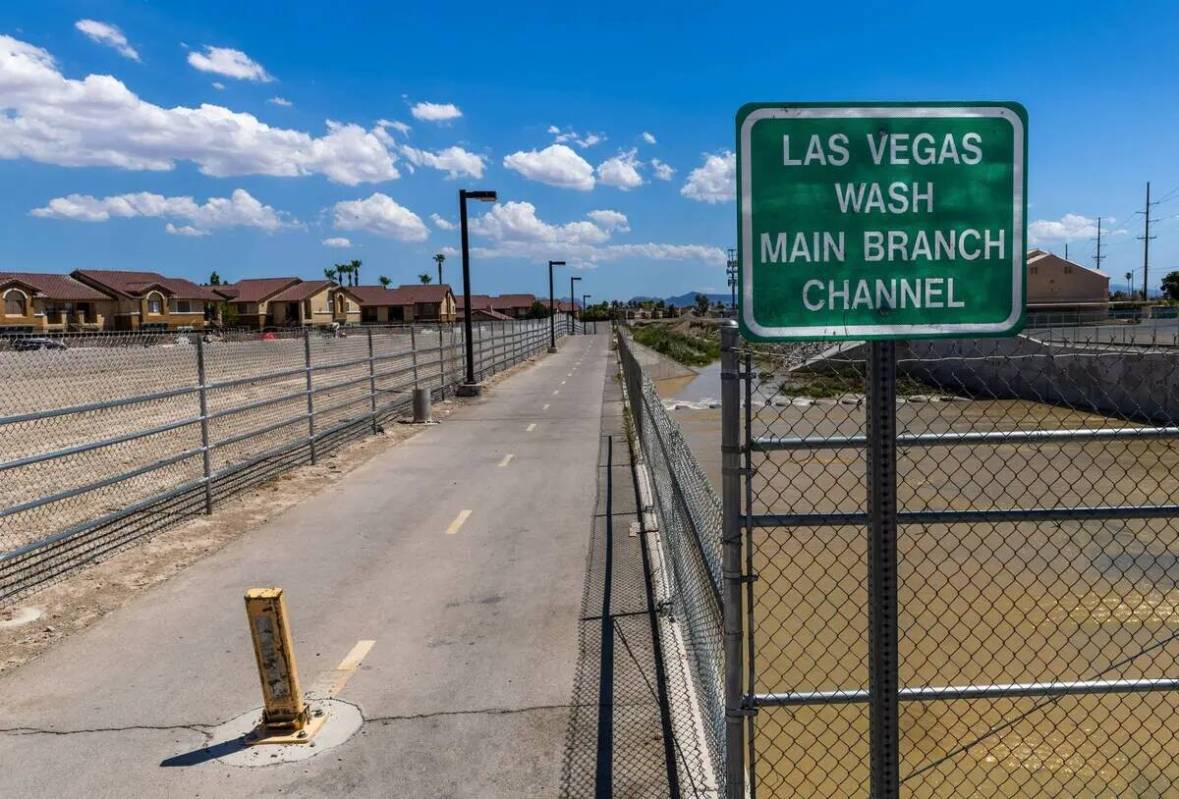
column 155, row 303
column 1068, row 270
column 15, row 303
column 184, row 306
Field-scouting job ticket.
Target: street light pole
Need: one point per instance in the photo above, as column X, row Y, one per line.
column 470, row 388
column 553, row 308
column 572, row 304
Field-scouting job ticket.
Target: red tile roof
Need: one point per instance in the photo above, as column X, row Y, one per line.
column 420, row 292
column 136, row 284
column 55, row 287
column 256, row 289
column 301, row 291
column 490, row 313
column 478, row 301
column 512, row 301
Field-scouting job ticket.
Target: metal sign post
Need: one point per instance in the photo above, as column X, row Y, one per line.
column 883, row 697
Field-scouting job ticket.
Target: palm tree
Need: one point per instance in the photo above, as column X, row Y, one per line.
column 439, row 258
column 384, row 281
column 330, row 272
column 425, row 278
column 354, row 270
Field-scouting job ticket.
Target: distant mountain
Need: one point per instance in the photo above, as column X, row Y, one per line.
column 687, row 300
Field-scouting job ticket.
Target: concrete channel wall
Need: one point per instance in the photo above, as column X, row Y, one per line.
column 1139, row 384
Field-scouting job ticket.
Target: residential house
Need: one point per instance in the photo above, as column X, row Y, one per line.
column 416, row 302
column 150, row 301
column 517, row 306
column 40, row 303
column 290, row 302
column 313, row 302
column 249, row 299
column 1060, row 287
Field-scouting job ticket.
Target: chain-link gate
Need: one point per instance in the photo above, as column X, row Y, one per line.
column 1012, row 629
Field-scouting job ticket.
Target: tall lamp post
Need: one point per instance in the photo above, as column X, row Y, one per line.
column 438, row 259
column 572, row 303
column 470, row 388
column 731, row 273
column 553, row 308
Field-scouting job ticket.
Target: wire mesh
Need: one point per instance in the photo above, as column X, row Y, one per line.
column 105, row 439
column 689, row 517
column 1065, row 440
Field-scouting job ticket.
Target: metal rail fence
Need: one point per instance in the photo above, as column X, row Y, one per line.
column 688, row 512
column 106, row 444
column 1031, row 647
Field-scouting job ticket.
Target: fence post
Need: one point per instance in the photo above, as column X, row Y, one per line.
column 372, row 380
column 204, row 404
column 310, row 397
column 441, row 363
column 882, row 571
column 413, row 353
column 731, row 561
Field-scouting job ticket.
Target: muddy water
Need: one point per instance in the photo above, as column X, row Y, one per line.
column 982, row 603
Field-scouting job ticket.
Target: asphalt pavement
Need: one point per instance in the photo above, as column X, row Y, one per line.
column 460, row 554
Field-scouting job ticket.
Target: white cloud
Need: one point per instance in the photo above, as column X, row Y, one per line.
column 515, row 231
column 396, row 124
column 107, row 34
column 715, row 181
column 442, row 223
column 380, row 214
column 230, row 63
column 336, row 241
column 218, row 85
column 662, row 171
column 556, row 165
column 285, row 103
column 610, row 220
column 649, row 138
column 435, row 112
column 454, row 161
column 240, row 209
column 184, row 230
column 518, row 222
column 584, row 142
column 621, row 171
column 1070, row 227
column 98, row 121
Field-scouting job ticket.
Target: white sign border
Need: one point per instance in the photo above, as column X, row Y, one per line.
column 903, row 112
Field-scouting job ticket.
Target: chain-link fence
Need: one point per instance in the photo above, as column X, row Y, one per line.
column 1037, row 568
column 108, row 439
column 688, row 569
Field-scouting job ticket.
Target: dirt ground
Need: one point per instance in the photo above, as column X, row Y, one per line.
column 981, row 603
column 76, row 601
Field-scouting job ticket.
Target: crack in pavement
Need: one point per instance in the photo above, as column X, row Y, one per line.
column 203, row 729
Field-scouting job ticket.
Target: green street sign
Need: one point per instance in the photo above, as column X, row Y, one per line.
column 881, row 220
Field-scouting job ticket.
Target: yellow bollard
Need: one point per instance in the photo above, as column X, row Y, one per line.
column 286, row 718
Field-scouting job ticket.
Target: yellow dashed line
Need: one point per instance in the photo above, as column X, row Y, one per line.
column 458, row 522
column 507, row 459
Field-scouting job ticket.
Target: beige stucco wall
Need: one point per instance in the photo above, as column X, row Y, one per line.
column 1054, row 280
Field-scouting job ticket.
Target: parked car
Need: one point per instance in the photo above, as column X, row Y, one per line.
column 35, row 344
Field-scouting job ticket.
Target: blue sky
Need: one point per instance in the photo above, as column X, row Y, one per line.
column 183, row 162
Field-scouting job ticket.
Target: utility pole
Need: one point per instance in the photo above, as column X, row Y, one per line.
column 1066, row 251
column 1145, row 238
column 1098, row 258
